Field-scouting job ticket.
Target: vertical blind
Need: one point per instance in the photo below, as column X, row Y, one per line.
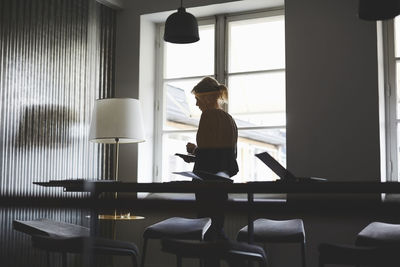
column 56, row 58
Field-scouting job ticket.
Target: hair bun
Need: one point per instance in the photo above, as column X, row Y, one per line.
column 221, row 87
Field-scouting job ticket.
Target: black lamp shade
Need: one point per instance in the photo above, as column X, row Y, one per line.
column 181, row 28
column 378, row 9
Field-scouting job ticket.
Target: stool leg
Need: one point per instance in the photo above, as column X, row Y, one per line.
column 47, row 258
column 320, row 262
column 262, row 264
column 303, row 254
column 178, row 261
column 134, row 261
column 267, row 260
column 143, row 252
column 64, row 259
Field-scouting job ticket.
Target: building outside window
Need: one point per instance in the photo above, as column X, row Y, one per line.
column 247, row 53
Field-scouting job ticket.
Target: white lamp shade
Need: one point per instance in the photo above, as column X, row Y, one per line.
column 116, row 118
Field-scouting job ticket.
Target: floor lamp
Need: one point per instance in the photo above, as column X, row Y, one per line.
column 117, row 121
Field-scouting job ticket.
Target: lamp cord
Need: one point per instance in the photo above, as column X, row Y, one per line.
column 181, row 3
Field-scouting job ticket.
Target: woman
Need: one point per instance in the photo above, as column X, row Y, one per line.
column 215, row 150
column 217, row 133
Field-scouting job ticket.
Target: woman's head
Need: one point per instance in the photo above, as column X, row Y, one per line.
column 209, row 93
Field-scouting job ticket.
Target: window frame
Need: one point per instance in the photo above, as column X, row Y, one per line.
column 220, row 73
column 390, row 89
column 160, row 98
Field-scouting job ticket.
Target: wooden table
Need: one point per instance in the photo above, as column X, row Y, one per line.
column 96, row 188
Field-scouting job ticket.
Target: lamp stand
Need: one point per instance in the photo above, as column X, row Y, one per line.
column 116, row 158
column 127, row 215
column 116, row 170
column 118, row 216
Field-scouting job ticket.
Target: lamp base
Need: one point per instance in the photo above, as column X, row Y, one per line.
column 120, row 216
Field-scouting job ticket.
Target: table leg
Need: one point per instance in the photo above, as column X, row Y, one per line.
column 94, row 215
column 93, row 221
column 94, row 228
column 250, row 223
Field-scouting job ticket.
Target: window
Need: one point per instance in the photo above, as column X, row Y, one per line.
column 391, row 30
column 247, row 53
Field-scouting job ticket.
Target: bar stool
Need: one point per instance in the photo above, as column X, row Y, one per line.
column 64, row 238
column 382, row 235
column 234, row 253
column 176, row 227
column 272, row 231
column 376, row 245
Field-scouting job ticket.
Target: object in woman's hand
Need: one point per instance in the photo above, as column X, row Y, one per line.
column 186, row 157
column 208, row 176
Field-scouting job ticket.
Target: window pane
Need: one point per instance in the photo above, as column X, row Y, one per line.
column 398, row 152
column 255, row 99
column 175, row 143
column 397, row 36
column 258, row 99
column 398, row 89
column 180, row 104
column 196, row 59
column 256, row 44
column 256, row 141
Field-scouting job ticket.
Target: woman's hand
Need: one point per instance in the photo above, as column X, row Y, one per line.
column 190, row 148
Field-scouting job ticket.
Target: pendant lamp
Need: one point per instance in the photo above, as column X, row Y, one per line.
column 181, row 27
column 378, row 9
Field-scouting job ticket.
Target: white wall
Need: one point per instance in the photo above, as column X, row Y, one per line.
column 332, row 91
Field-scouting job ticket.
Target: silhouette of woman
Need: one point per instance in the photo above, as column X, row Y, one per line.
column 215, row 150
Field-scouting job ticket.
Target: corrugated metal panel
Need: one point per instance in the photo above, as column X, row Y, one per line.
column 56, row 58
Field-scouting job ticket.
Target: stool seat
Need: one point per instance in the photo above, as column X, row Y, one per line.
column 50, row 228
column 229, row 251
column 273, row 231
column 177, row 227
column 379, row 234
column 266, row 230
